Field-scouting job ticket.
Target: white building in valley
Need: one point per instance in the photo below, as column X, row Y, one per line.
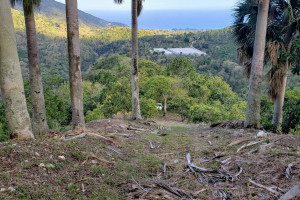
column 179, row 51
column 161, row 50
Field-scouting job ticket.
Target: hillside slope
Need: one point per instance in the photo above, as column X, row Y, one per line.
column 124, row 165
column 56, row 10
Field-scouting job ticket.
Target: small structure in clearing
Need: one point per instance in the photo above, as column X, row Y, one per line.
column 179, row 51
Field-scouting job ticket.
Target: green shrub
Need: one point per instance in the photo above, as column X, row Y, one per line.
column 148, row 108
column 95, row 114
column 205, row 113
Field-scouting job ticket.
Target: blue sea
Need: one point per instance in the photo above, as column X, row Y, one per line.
column 169, row 20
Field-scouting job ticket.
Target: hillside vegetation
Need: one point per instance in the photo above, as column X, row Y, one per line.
column 56, row 10
column 105, row 42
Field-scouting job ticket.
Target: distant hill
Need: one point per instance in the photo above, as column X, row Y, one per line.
column 56, row 10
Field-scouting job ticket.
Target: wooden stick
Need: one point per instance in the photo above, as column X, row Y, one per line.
column 102, row 137
column 248, row 145
column 240, row 141
column 100, row 159
column 292, row 193
column 241, row 170
column 264, row 187
column 76, row 136
column 82, row 180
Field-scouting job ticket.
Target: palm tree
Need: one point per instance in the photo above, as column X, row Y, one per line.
column 252, row 118
column 283, row 27
column 281, row 55
column 39, row 121
column 136, row 8
column 74, row 65
column 11, row 81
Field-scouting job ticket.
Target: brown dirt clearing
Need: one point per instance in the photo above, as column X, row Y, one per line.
column 147, row 160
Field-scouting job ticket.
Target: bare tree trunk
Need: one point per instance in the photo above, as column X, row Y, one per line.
column 11, row 81
column 165, row 105
column 74, row 65
column 136, row 113
column 252, row 118
column 279, row 100
column 39, row 121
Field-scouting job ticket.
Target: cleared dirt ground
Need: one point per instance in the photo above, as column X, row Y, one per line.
column 148, row 160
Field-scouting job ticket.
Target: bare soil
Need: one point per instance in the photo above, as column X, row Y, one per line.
column 147, row 160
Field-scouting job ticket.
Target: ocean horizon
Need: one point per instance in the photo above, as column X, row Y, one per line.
column 171, row 19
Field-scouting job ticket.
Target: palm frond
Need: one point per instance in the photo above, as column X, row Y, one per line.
column 139, row 7
column 118, row 1
column 28, row 5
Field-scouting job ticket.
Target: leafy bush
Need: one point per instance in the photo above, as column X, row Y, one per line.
column 148, row 108
column 182, row 105
column 205, row 113
column 291, row 110
column 94, row 114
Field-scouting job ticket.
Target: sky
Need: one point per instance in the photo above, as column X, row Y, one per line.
column 157, row 4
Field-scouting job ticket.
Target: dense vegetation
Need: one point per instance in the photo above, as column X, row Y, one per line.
column 194, row 96
column 200, row 93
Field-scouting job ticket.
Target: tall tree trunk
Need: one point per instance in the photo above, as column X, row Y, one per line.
column 74, row 65
column 279, row 100
column 136, row 113
column 39, row 121
column 165, row 105
column 11, row 81
column 252, row 118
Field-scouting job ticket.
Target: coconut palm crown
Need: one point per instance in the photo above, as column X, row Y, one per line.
column 283, row 29
column 28, row 5
column 140, row 5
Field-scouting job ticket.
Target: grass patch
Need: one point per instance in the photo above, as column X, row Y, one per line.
column 78, row 155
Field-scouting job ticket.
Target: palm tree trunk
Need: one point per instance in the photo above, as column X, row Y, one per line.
column 74, row 64
column 39, row 121
column 252, row 118
column 279, row 100
column 136, row 113
column 165, row 105
column 11, row 81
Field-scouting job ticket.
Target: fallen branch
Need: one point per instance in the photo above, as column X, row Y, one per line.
column 102, row 137
column 208, row 175
column 98, row 158
column 135, row 129
column 115, row 150
column 178, row 192
column 76, row 136
column 239, row 173
column 81, row 180
column 248, row 145
column 239, row 141
column 225, row 161
column 264, row 187
column 291, row 194
column 164, row 169
column 288, row 170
